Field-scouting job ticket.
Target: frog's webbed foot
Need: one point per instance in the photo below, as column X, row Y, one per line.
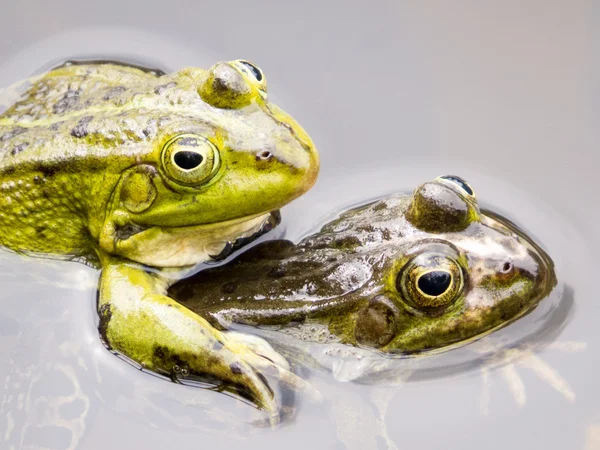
column 263, row 357
column 139, row 321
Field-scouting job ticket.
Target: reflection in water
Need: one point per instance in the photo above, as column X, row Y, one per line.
column 46, row 398
column 507, row 358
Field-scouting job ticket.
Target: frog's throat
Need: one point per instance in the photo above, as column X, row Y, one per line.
column 185, row 246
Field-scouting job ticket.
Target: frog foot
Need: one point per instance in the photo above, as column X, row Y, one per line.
column 164, row 337
column 259, row 353
column 140, row 322
column 258, row 347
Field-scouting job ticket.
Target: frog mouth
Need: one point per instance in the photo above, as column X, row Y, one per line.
column 230, row 247
column 186, row 246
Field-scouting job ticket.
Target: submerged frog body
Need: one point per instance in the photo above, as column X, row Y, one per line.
column 404, row 274
column 129, row 168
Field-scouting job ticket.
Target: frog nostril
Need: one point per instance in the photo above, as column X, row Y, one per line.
column 507, row 267
column 264, row 155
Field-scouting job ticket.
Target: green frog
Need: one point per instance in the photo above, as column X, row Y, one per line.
column 146, row 174
column 405, row 274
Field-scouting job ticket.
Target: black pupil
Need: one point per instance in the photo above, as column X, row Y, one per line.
column 434, row 283
column 458, row 180
column 255, row 70
column 188, row 160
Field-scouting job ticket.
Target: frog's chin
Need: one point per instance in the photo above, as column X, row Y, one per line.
column 187, row 246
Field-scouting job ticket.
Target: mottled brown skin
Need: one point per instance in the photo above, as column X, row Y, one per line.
column 351, row 275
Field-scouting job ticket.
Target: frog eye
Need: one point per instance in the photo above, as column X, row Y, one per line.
column 190, row 159
column 258, row 78
column 440, row 206
column 430, row 281
column 458, row 181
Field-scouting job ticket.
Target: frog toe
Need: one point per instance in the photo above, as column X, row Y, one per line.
column 260, row 354
column 257, row 346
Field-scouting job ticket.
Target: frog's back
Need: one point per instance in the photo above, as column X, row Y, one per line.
column 68, row 90
column 56, row 142
column 64, row 106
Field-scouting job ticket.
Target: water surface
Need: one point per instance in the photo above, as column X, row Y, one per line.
column 395, row 95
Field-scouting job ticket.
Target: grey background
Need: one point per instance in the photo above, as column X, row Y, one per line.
column 393, row 93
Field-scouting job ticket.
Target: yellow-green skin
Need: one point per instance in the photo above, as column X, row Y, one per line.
column 83, row 173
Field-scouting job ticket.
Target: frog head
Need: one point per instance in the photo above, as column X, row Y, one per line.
column 464, row 273
column 219, row 163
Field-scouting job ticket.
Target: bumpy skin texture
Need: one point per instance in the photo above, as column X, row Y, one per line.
column 123, row 167
column 363, row 273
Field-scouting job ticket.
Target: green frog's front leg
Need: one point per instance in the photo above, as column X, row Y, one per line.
column 138, row 320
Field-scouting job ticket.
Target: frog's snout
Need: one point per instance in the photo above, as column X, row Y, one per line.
column 525, row 272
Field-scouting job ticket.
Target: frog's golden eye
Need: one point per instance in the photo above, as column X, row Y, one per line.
column 190, row 159
column 430, row 281
column 460, row 182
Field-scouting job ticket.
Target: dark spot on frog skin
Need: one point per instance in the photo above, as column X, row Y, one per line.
column 160, row 351
column 228, row 288
column 47, row 169
column 235, row 369
column 162, row 88
column 347, row 242
column 19, row 148
column 69, row 100
column 9, row 170
column 376, row 323
column 126, row 231
column 12, row 133
column 105, row 314
column 113, row 92
column 81, row 129
column 188, row 142
column 56, row 126
column 276, row 272
column 379, row 206
column 169, row 359
column 150, row 129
